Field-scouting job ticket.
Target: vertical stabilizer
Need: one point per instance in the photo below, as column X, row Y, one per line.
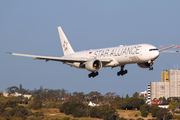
column 67, row 49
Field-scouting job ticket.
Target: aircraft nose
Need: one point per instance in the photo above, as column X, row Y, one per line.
column 156, row 54
column 153, row 55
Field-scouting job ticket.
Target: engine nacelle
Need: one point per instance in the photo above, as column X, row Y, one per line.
column 93, row 65
column 144, row 65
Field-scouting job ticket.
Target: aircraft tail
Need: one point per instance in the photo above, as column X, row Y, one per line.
column 67, row 49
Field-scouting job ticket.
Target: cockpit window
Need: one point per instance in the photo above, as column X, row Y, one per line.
column 153, row 49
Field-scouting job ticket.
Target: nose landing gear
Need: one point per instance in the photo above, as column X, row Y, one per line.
column 122, row 71
column 151, row 64
column 93, row 74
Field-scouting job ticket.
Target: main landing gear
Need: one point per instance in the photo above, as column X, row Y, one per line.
column 122, row 71
column 93, row 74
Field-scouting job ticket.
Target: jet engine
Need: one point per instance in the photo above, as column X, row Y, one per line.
column 144, row 65
column 93, row 65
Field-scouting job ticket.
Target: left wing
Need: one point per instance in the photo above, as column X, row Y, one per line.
column 60, row 59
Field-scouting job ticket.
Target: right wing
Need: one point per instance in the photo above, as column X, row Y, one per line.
column 176, row 51
column 165, row 48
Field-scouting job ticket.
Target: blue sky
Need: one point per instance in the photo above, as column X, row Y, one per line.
column 30, row 27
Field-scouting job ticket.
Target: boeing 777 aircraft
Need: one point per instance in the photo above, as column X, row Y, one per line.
column 93, row 60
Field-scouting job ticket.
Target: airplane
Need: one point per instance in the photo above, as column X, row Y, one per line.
column 143, row 55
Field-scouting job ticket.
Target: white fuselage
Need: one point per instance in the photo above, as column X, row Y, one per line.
column 121, row 55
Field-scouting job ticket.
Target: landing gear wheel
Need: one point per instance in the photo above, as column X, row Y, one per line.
column 89, row 75
column 118, row 73
column 151, row 68
column 122, row 71
column 93, row 74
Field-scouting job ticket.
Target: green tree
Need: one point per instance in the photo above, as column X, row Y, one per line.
column 127, row 97
column 144, row 113
column 109, row 113
column 144, row 110
column 154, row 111
column 136, row 94
column 1, row 95
column 77, row 109
column 65, row 118
column 11, row 102
column 123, row 105
column 95, row 112
column 37, row 104
column 162, row 98
column 2, row 107
column 173, row 105
column 94, row 96
column 20, row 87
column 164, row 114
column 134, row 102
column 20, row 111
column 12, row 89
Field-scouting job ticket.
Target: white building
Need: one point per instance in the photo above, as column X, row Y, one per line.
column 92, row 104
column 28, row 96
column 168, row 87
column 5, row 94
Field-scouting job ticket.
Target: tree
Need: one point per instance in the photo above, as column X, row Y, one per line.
column 134, row 102
column 94, row 112
column 136, row 94
column 152, row 106
column 20, row 111
column 1, row 95
column 109, row 113
column 2, row 107
column 12, row 89
column 37, row 104
column 154, row 111
column 162, row 98
column 173, row 105
column 127, row 97
column 20, row 87
column 81, row 96
column 77, row 109
column 144, row 110
column 94, row 96
column 164, row 114
column 11, row 102
column 123, row 105
column 109, row 97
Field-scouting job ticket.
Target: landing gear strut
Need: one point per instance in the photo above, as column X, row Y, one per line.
column 150, row 65
column 93, row 74
column 122, row 71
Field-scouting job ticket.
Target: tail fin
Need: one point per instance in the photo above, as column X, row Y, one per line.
column 67, row 49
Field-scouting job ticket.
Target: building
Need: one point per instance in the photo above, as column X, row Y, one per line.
column 92, row 104
column 168, row 87
column 5, row 94
column 27, row 96
column 164, row 105
column 143, row 95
